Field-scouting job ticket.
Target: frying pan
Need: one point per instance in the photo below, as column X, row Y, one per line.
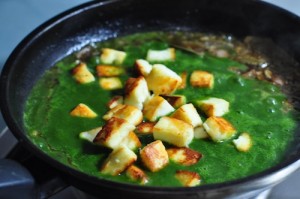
column 101, row 20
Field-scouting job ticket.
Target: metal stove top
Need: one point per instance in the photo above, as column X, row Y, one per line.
column 20, row 17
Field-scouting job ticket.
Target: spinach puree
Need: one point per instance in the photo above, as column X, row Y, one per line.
column 256, row 107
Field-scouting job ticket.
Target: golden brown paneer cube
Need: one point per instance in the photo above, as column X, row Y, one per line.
column 145, row 127
column 143, row 67
column 202, row 79
column 213, row 106
column 183, row 76
column 243, row 143
column 116, row 100
column 113, row 133
column 161, row 55
column 156, row 107
column 132, row 141
column 82, row 110
column 137, row 174
column 90, row 134
column 110, row 83
column 82, row 74
column 109, row 71
column 188, row 178
column 188, row 114
column 175, row 100
column 173, row 131
column 219, row 129
column 184, row 156
column 129, row 113
column 118, row 161
column 154, row 156
column 162, row 80
column 136, row 92
column 112, row 56
column 200, row 133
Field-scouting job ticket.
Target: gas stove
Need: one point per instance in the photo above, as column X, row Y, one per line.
column 31, row 13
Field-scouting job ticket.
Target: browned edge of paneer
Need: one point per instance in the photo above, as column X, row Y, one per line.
column 137, row 174
column 188, row 178
column 145, row 127
column 184, row 156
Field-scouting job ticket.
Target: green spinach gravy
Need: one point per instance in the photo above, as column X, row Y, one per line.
column 257, row 106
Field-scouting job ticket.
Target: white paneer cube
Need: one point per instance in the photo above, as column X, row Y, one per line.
column 116, row 100
column 175, row 100
column 82, row 110
column 110, row 83
column 161, row 55
column 243, row 143
column 156, row 107
column 162, row 80
column 129, row 113
column 173, row 131
column 188, row 178
column 143, row 67
column 200, row 133
column 82, row 74
column 136, row 92
column 109, row 71
column 112, row 56
column 188, row 114
column 132, row 141
column 137, row 174
column 154, row 156
column 90, row 134
column 202, row 79
column 118, row 161
column 219, row 129
column 214, row 106
column 184, row 156
column 113, row 133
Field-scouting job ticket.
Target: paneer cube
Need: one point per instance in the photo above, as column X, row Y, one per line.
column 188, row 114
column 243, row 143
column 90, row 134
column 113, row 133
column 132, row 141
column 154, row 156
column 188, row 178
column 162, row 80
column 202, row 79
column 136, row 92
column 82, row 74
column 173, row 131
column 213, row 106
column 145, row 128
column 112, row 56
column 161, row 55
column 110, row 83
column 118, row 161
column 156, row 107
column 82, row 110
column 143, row 67
column 109, row 71
column 137, row 174
column 129, row 113
column 200, row 133
column 175, row 100
column 184, row 156
column 116, row 100
column 219, row 129
column 183, row 76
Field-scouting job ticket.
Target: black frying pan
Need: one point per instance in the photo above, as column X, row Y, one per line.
column 97, row 21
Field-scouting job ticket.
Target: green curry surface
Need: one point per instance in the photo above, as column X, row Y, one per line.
column 256, row 107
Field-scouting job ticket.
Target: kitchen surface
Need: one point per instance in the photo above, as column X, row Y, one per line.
column 19, row 17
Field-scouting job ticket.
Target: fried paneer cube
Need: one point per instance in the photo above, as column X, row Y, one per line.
column 113, row 132
column 175, row 100
column 214, row 106
column 82, row 110
column 82, row 74
column 173, row 131
column 116, row 100
column 137, row 174
column 184, row 156
column 145, row 127
column 118, row 161
column 243, row 143
column 188, row 114
column 109, row 71
column 110, row 83
column 219, row 129
column 154, row 156
column 90, row 134
column 188, row 178
column 202, row 79
column 112, row 56
column 143, row 67
column 200, row 133
column 132, row 141
column 183, row 76
column 156, row 107
column 129, row 113
column 162, row 80
column 168, row 54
